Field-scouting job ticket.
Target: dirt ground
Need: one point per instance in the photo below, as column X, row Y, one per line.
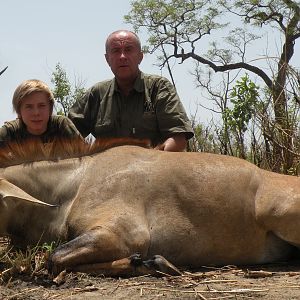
column 277, row 281
column 274, row 282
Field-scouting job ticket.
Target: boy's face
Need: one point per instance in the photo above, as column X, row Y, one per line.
column 35, row 111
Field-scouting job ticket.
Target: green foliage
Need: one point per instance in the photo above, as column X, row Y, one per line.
column 244, row 107
column 204, row 139
column 181, row 30
column 63, row 92
column 262, row 12
column 244, row 99
column 184, row 20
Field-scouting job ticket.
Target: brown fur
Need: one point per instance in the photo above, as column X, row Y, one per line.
column 194, row 209
column 14, row 153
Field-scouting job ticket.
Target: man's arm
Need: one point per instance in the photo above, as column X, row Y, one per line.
column 173, row 123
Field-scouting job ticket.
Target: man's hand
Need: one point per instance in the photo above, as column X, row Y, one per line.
column 175, row 143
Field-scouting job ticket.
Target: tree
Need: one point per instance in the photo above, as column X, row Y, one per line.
column 204, row 140
column 1, row 72
column 179, row 27
column 244, row 98
column 63, row 92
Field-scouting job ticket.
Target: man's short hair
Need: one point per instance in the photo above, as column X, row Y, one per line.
column 123, row 30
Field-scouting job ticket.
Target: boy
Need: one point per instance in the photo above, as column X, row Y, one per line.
column 33, row 102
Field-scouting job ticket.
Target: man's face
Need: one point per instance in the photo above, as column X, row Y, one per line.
column 124, row 55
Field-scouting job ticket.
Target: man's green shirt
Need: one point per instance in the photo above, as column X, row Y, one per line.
column 152, row 110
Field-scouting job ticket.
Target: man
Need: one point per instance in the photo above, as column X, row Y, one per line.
column 133, row 104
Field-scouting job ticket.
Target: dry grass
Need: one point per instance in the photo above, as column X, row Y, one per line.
column 30, row 262
column 23, row 276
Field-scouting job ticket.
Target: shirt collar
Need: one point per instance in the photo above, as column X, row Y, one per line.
column 138, row 84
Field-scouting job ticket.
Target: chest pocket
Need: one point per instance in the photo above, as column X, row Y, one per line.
column 149, row 122
column 149, row 125
column 106, row 118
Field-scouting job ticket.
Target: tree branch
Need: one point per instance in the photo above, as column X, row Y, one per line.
column 240, row 65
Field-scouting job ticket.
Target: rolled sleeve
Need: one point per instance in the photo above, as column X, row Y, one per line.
column 171, row 116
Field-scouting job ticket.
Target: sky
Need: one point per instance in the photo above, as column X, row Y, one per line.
column 35, row 35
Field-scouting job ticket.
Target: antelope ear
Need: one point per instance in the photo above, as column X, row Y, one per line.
column 10, row 191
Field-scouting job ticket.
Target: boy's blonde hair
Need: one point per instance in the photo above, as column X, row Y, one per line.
column 28, row 87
